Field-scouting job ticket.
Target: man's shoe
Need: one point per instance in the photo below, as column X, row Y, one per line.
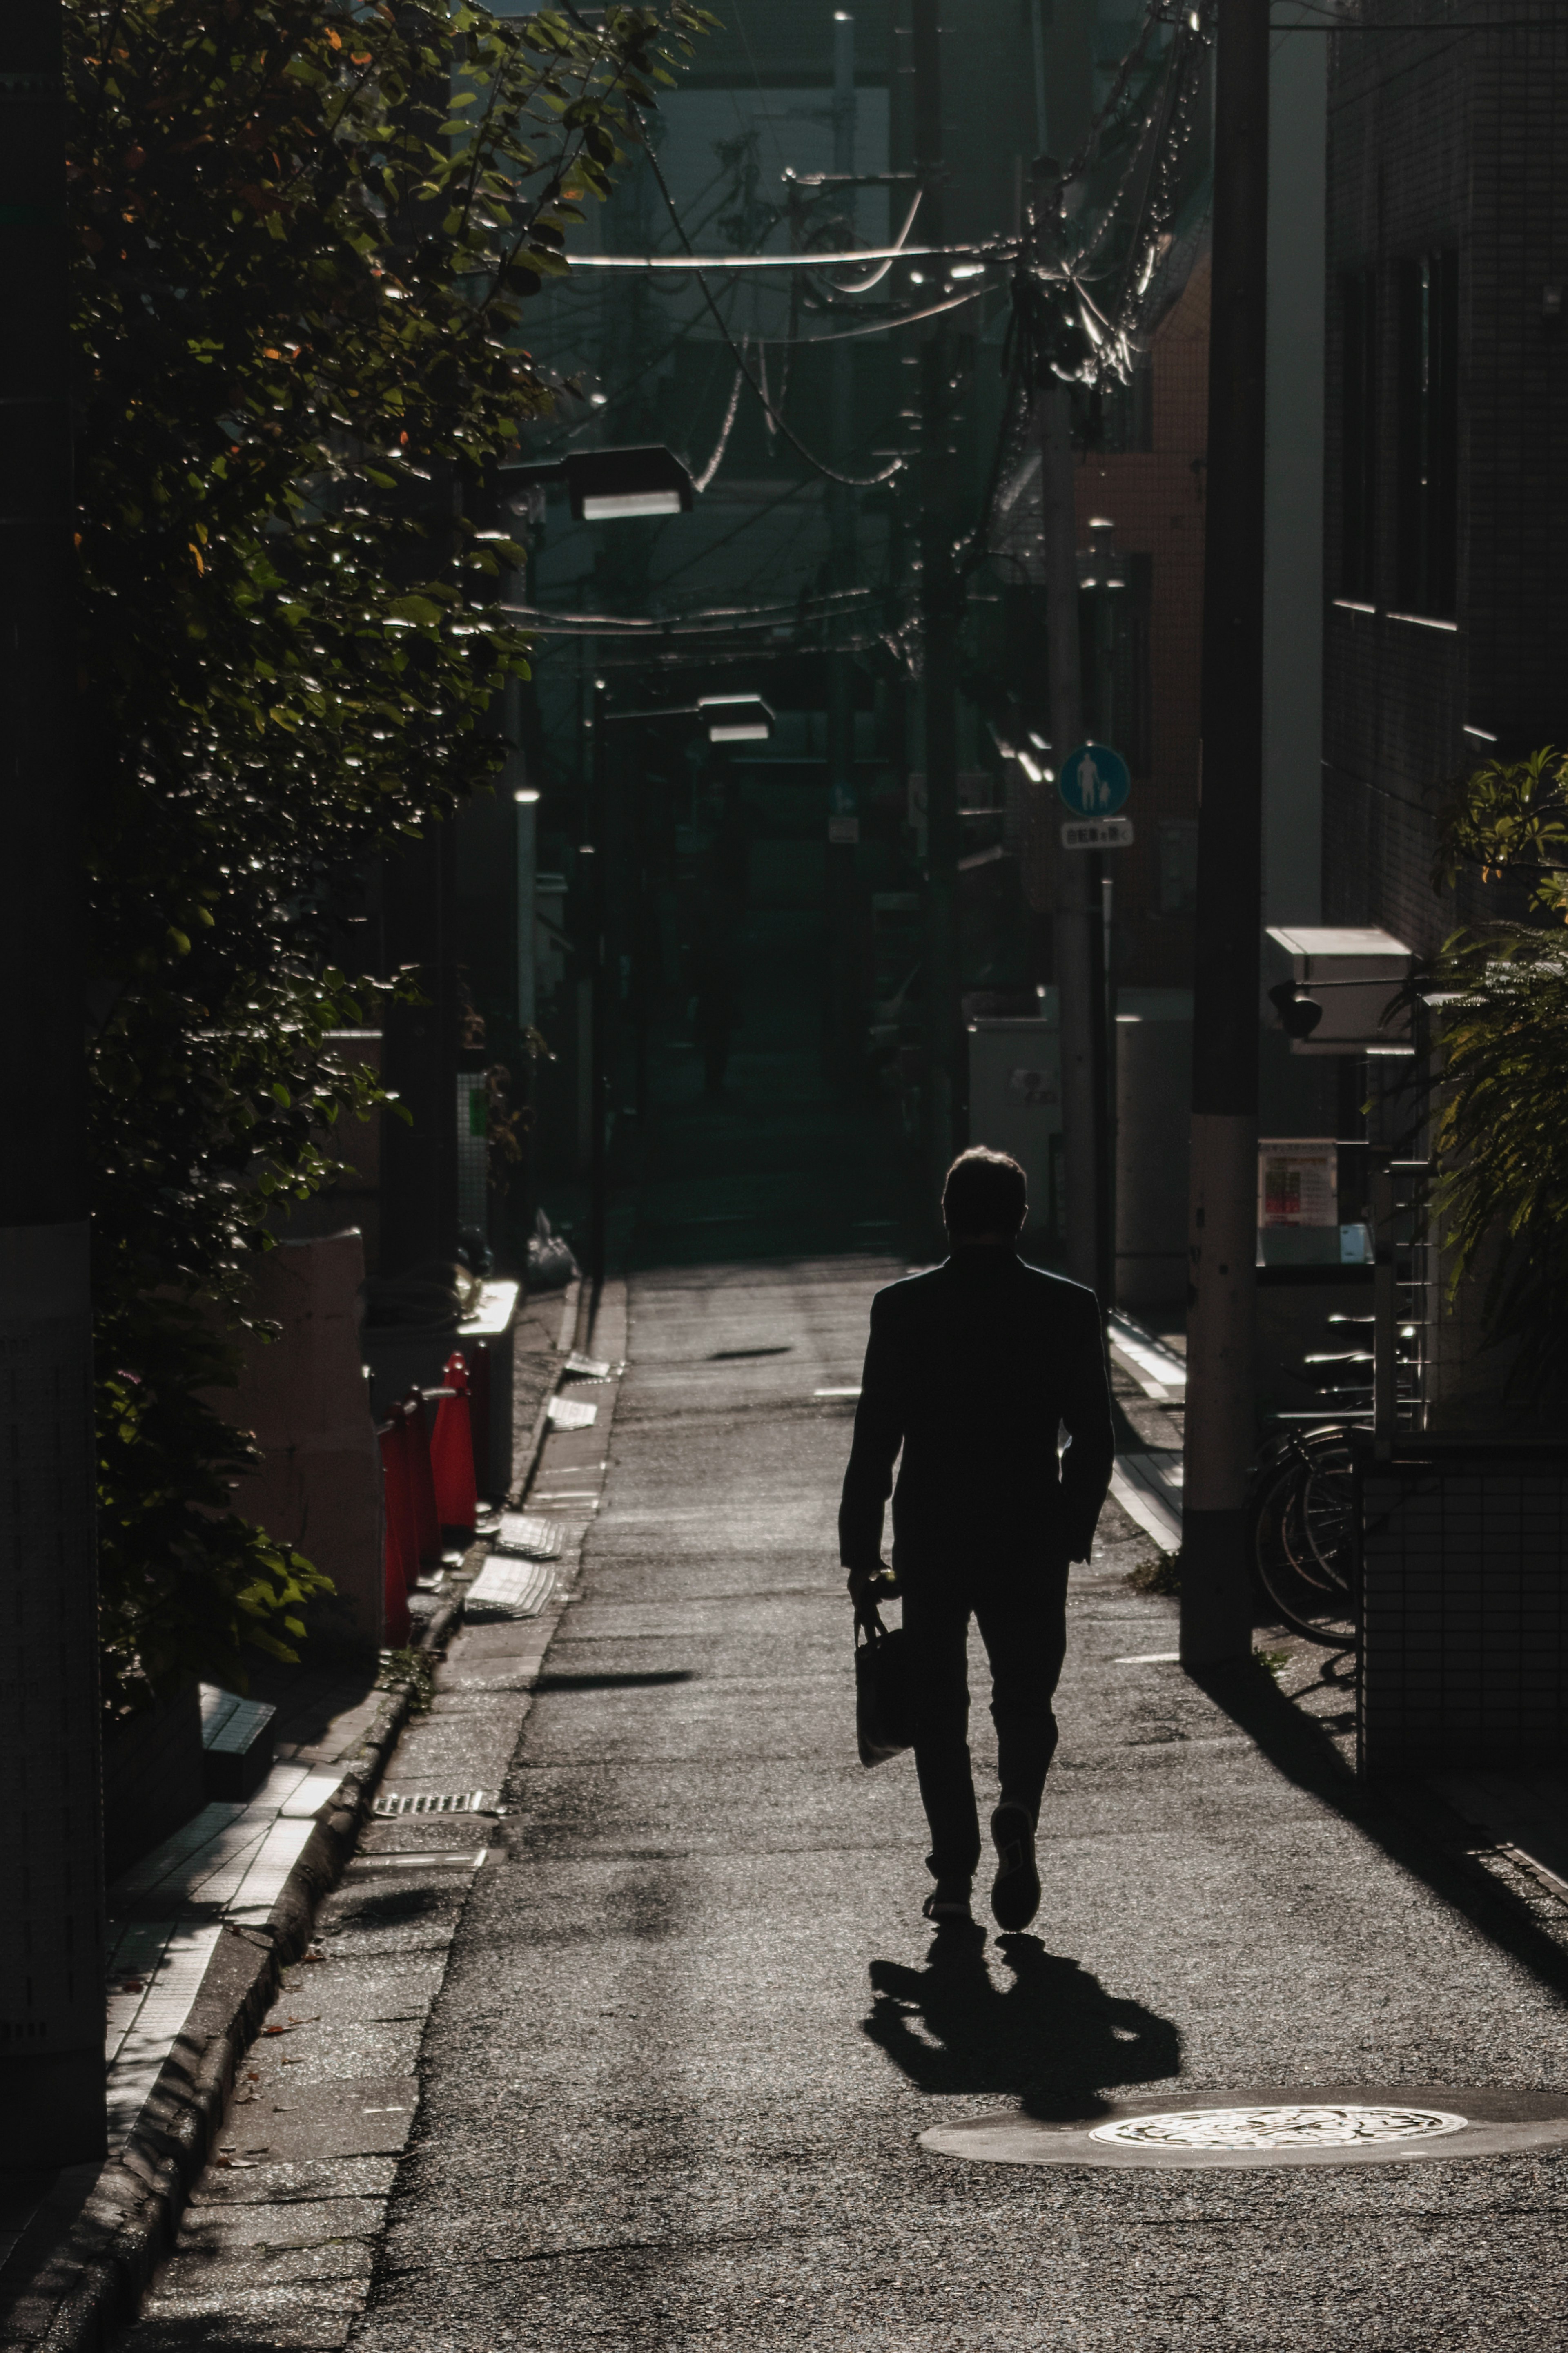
column 947, row 1905
column 1015, row 1890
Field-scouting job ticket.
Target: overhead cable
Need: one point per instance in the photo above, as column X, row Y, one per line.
column 700, row 481
column 995, row 249
column 885, row 260
column 848, row 481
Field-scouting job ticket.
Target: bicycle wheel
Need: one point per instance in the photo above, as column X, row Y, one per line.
column 1309, row 1600
column 1327, row 1514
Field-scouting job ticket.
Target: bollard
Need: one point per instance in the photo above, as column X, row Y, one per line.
column 452, row 1453
column 401, row 1560
column 421, row 1483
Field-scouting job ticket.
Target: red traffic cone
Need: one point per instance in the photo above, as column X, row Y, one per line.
column 452, row 1453
column 396, row 1565
column 421, row 1486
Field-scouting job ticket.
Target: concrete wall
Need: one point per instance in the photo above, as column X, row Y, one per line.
column 304, row 1399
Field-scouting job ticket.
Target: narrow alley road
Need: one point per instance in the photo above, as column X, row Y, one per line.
column 692, row 2024
column 691, row 2029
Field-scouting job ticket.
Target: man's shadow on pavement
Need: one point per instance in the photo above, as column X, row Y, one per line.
column 1053, row 2037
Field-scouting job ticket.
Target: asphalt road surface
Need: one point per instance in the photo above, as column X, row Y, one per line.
column 692, row 2026
column 655, row 2075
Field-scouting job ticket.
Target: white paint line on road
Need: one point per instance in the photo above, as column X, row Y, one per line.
column 1144, row 1503
column 1162, row 1392
column 1149, row 1658
column 825, row 1393
column 422, row 1859
column 1146, row 1352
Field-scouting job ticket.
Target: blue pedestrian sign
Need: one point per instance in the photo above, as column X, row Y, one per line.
column 1094, row 781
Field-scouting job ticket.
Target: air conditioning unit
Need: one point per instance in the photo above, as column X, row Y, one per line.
column 1329, row 988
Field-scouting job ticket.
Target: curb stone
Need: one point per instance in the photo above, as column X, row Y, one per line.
column 118, row 2221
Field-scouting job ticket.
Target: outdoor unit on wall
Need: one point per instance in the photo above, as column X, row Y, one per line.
column 1015, row 1100
column 1333, row 988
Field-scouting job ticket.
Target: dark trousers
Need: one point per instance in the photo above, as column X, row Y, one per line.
column 1021, row 1613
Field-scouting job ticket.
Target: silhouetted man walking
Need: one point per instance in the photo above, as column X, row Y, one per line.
column 970, row 1369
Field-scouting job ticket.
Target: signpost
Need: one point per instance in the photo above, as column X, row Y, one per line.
column 1094, row 781
column 1097, row 833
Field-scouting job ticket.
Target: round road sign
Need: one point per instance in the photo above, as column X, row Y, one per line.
column 1094, row 781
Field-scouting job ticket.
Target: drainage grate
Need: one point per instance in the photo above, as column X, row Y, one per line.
column 433, row 1801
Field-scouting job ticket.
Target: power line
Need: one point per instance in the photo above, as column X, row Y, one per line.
column 993, row 249
column 830, row 473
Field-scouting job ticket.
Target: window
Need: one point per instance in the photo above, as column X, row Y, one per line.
column 1358, row 434
column 1428, row 433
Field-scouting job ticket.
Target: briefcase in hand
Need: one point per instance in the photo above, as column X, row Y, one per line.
column 882, row 1710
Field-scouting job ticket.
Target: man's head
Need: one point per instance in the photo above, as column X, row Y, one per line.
column 985, row 1197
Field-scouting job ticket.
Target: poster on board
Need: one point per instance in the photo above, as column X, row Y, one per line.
column 1298, row 1181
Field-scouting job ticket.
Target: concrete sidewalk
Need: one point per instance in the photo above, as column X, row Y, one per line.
column 692, row 2027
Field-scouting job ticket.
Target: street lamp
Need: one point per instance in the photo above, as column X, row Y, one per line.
column 607, row 485
column 736, row 718
column 728, row 718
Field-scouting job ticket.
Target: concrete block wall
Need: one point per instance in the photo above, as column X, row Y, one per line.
column 1464, row 1608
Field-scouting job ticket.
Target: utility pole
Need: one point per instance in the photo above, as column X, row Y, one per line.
column 599, row 1015
column 1217, row 1615
column 939, row 615
column 1078, row 989
column 844, row 820
column 51, row 1840
column 420, row 1049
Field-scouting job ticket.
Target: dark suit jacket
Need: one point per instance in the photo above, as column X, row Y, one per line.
column 970, row 1369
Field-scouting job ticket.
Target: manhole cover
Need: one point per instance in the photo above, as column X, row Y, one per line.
column 1298, row 2127
column 1271, row 2124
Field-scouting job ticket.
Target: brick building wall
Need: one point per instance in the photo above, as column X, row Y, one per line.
column 1447, row 142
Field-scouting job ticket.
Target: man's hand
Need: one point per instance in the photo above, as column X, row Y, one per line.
column 871, row 1585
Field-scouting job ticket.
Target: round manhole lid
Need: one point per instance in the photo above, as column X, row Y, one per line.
column 1315, row 2123
column 1302, row 2126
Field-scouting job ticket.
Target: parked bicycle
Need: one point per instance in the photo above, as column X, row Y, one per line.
column 1302, row 1511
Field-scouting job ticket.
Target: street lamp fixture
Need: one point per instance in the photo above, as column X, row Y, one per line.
column 736, row 718
column 728, row 718
column 607, row 485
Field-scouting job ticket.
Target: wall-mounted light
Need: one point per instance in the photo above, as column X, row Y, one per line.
column 526, row 794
